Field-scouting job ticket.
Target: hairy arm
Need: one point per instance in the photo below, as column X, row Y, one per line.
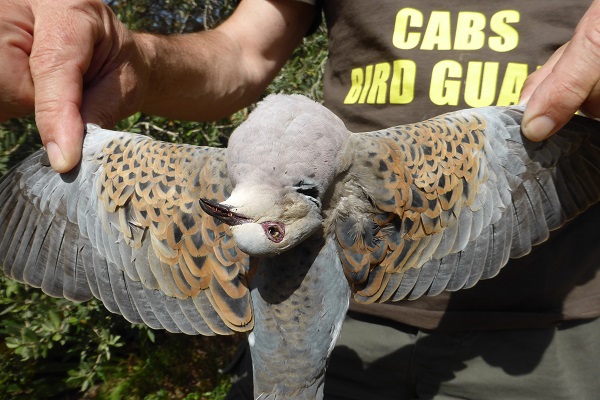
column 208, row 75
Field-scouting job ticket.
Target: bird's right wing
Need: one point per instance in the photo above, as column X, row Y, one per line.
column 126, row 227
column 441, row 204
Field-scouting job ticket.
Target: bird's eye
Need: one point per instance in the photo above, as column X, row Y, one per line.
column 309, row 190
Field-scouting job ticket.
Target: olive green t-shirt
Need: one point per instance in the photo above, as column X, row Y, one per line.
column 395, row 62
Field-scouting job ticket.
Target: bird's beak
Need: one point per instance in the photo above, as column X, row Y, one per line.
column 223, row 213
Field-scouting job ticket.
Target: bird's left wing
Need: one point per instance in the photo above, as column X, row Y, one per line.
column 126, row 227
column 441, row 204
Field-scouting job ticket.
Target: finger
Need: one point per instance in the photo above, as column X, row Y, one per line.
column 96, row 110
column 58, row 118
column 568, row 85
column 119, row 80
column 59, row 58
column 538, row 76
column 591, row 106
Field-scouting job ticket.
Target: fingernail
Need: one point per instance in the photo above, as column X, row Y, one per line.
column 55, row 156
column 539, row 128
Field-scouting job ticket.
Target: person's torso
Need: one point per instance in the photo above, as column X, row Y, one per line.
column 396, row 62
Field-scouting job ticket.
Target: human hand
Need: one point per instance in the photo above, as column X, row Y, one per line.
column 569, row 81
column 71, row 62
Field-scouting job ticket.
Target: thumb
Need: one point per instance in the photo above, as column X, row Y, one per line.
column 59, row 123
column 61, row 53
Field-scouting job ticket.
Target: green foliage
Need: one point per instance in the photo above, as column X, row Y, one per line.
column 55, row 349
column 43, row 341
column 171, row 16
column 18, row 138
column 303, row 73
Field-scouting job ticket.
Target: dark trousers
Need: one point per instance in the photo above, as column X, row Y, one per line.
column 379, row 362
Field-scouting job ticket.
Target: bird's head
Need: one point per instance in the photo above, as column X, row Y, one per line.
column 267, row 220
column 281, row 162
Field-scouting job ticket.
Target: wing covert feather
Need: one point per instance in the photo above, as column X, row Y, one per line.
column 125, row 227
column 446, row 202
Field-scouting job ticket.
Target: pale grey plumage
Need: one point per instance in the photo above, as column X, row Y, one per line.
column 324, row 213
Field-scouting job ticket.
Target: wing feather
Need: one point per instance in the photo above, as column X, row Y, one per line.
column 101, row 270
column 125, row 227
column 447, row 270
column 465, row 261
column 483, row 249
column 407, row 284
column 143, row 305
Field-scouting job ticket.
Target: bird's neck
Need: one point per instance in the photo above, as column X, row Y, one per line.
column 300, row 299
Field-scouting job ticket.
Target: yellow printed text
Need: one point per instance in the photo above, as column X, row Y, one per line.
column 477, row 83
column 413, row 30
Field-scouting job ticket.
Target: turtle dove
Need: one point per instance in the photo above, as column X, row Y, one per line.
column 272, row 235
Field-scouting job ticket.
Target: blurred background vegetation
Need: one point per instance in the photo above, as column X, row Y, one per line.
column 55, row 349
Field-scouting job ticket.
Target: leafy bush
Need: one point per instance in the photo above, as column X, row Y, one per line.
column 55, row 349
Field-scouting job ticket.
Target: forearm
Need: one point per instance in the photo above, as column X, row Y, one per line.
column 211, row 74
column 196, row 76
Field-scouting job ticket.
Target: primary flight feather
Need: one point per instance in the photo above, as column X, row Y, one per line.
column 273, row 234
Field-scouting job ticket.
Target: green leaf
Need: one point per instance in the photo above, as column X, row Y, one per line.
column 151, row 335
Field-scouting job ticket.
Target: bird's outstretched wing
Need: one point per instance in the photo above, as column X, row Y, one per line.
column 441, row 204
column 126, row 227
